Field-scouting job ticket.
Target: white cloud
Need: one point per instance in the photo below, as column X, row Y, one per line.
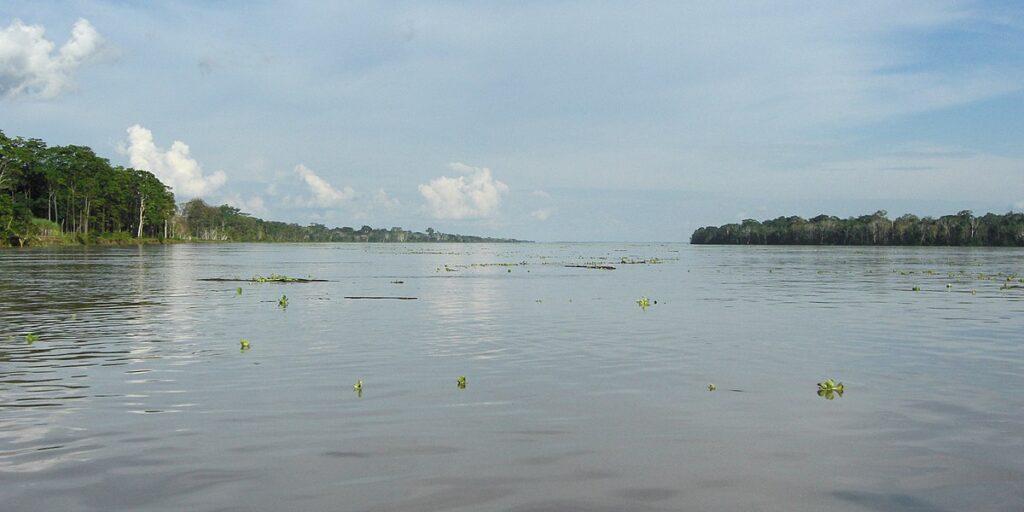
column 324, row 194
column 475, row 194
column 29, row 66
column 175, row 166
column 540, row 193
column 542, row 214
column 382, row 199
column 254, row 205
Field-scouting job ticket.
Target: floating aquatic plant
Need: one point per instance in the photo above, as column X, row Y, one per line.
column 829, row 389
column 283, row 302
column 712, row 387
column 644, row 302
column 244, row 344
column 916, row 289
column 461, row 382
column 358, row 386
column 31, row 338
column 238, row 291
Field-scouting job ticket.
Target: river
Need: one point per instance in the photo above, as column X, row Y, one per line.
column 123, row 384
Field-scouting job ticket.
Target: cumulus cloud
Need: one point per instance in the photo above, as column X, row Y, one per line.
column 540, row 193
column 325, row 195
column 542, row 214
column 29, row 66
column 475, row 194
column 174, row 166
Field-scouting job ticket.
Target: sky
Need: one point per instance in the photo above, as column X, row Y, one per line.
column 541, row 120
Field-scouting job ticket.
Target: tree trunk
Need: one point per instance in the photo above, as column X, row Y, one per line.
column 142, row 210
column 85, row 216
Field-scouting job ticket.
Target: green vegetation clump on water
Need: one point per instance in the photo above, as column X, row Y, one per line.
column 962, row 229
column 276, row 278
column 829, row 389
column 68, row 195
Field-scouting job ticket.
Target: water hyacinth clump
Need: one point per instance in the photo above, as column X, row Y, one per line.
column 244, row 343
column 829, row 389
column 283, row 302
column 31, row 338
column 461, row 382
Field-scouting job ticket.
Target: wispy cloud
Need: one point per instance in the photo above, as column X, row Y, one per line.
column 174, row 166
column 254, row 205
column 324, row 195
column 383, row 200
column 542, row 214
column 29, row 66
column 475, row 194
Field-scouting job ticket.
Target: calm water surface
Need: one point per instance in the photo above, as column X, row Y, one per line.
column 137, row 396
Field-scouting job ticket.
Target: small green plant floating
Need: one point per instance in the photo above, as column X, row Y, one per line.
column 283, row 302
column 238, row 291
column 916, row 289
column 461, row 382
column 644, row 302
column 712, row 387
column 31, row 338
column 829, row 389
column 358, row 387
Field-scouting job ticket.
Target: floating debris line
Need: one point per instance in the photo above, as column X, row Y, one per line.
column 272, row 278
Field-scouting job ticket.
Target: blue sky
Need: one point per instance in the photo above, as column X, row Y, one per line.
column 539, row 120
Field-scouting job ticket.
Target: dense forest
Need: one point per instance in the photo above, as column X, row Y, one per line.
column 962, row 229
column 68, row 194
column 197, row 220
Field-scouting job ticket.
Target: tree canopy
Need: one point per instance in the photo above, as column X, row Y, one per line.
column 962, row 229
column 75, row 192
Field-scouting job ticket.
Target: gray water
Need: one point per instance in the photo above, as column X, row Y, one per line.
column 137, row 396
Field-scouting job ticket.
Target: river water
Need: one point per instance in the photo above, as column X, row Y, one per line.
column 137, row 396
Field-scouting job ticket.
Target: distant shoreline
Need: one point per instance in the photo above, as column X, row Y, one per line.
column 961, row 230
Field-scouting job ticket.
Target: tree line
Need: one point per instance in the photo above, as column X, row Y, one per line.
column 200, row 221
column 70, row 191
column 962, row 229
column 68, row 194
